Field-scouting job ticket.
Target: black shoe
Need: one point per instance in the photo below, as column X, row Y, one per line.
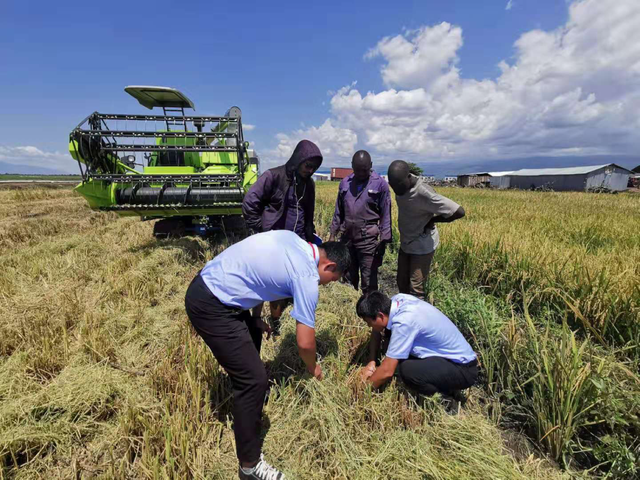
column 262, row 471
column 451, row 404
column 459, row 397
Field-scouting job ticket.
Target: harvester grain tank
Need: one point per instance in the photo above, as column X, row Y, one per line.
column 189, row 172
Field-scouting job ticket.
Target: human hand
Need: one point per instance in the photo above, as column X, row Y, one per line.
column 275, row 325
column 429, row 226
column 277, row 307
column 264, row 327
column 316, row 371
column 368, row 371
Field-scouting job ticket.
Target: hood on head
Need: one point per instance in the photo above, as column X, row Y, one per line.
column 305, row 150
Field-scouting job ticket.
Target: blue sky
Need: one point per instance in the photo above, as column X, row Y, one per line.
column 291, row 67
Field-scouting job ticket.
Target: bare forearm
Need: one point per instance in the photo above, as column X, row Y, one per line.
column 384, row 373
column 377, row 379
column 441, row 219
column 306, row 339
column 308, row 355
column 456, row 215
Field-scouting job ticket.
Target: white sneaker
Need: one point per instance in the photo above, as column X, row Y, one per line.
column 262, row 471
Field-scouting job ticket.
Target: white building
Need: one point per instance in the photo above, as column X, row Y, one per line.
column 611, row 177
column 450, row 178
column 321, row 177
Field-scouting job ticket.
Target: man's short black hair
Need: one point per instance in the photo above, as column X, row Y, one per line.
column 398, row 170
column 361, row 156
column 338, row 253
column 373, row 303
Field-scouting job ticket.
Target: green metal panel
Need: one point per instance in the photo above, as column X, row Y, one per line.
column 73, row 150
column 220, row 158
column 250, row 177
column 190, row 158
column 169, row 170
column 98, row 194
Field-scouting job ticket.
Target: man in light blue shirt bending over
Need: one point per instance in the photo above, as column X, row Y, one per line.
column 266, row 267
column 430, row 353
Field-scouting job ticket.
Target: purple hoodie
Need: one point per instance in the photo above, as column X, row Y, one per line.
column 265, row 205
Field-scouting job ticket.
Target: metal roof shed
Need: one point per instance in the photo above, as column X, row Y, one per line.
column 473, row 179
column 610, row 176
column 500, row 179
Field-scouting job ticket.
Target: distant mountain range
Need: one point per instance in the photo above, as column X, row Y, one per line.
column 28, row 170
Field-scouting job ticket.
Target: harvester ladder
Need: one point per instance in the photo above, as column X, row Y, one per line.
column 177, row 112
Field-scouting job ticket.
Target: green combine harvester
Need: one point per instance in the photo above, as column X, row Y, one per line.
column 188, row 172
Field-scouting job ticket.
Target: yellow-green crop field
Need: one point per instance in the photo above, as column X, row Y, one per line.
column 101, row 375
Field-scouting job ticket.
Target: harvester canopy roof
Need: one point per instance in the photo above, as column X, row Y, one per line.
column 164, row 97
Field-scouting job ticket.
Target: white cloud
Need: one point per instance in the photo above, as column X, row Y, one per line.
column 32, row 157
column 248, row 127
column 334, row 143
column 419, row 57
column 509, row 5
column 574, row 90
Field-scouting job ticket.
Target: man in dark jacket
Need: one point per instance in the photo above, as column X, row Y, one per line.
column 284, row 197
column 363, row 216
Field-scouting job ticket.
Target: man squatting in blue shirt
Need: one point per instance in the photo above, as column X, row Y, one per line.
column 267, row 267
column 426, row 348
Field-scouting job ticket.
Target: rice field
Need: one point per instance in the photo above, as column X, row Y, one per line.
column 101, row 375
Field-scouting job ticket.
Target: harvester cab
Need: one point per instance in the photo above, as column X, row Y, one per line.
column 189, row 172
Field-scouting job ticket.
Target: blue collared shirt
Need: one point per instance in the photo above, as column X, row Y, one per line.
column 419, row 329
column 265, row 267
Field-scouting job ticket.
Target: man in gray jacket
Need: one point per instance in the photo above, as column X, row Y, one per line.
column 419, row 209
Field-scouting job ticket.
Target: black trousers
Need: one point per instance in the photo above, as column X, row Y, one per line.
column 365, row 263
column 235, row 341
column 437, row 375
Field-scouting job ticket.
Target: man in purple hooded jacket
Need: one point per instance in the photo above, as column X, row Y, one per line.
column 284, row 197
column 363, row 216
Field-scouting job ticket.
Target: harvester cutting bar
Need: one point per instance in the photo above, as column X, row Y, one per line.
column 162, row 178
column 178, row 196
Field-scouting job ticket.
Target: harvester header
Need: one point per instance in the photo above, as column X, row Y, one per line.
column 191, row 169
